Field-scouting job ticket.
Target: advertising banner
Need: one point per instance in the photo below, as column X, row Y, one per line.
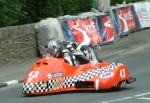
column 65, row 28
column 148, row 6
column 106, row 27
column 125, row 19
column 82, row 31
column 143, row 13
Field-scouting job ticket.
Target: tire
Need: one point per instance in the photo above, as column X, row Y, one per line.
column 121, row 85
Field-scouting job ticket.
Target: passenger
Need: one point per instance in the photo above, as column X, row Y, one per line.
column 73, row 53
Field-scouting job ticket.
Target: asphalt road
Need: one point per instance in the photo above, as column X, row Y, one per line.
column 133, row 51
column 138, row 63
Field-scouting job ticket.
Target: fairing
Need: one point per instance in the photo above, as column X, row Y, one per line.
column 51, row 75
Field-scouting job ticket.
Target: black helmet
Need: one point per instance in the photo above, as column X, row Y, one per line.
column 53, row 47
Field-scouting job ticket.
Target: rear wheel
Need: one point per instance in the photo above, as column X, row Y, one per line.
column 121, row 85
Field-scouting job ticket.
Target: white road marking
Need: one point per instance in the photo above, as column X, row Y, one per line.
column 135, row 50
column 144, row 98
column 115, row 100
column 131, row 97
column 139, row 95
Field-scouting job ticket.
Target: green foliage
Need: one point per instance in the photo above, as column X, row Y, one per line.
column 15, row 12
column 11, row 12
column 55, row 8
column 132, row 1
column 114, row 2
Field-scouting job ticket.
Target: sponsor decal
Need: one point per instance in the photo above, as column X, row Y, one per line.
column 44, row 85
column 107, row 75
column 54, row 75
column 49, row 76
column 57, row 84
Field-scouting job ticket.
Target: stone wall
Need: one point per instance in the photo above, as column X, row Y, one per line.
column 17, row 43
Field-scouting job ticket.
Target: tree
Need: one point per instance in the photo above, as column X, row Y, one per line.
column 11, row 12
column 15, row 12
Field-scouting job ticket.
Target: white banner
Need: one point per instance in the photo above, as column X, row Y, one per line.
column 142, row 10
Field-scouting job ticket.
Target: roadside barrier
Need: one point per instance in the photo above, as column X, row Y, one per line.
column 124, row 18
column 100, row 28
column 82, row 29
column 142, row 14
column 106, row 28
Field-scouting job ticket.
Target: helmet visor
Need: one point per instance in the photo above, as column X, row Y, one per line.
column 51, row 53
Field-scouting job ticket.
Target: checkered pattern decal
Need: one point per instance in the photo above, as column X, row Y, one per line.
column 35, row 87
column 65, row 82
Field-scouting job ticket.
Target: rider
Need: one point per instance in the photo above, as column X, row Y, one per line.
column 72, row 52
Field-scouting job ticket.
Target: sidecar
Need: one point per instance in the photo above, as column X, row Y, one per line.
column 53, row 75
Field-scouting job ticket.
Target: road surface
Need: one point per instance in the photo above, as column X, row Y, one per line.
column 136, row 58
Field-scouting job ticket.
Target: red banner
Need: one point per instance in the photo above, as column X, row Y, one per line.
column 127, row 21
column 108, row 29
column 85, row 31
